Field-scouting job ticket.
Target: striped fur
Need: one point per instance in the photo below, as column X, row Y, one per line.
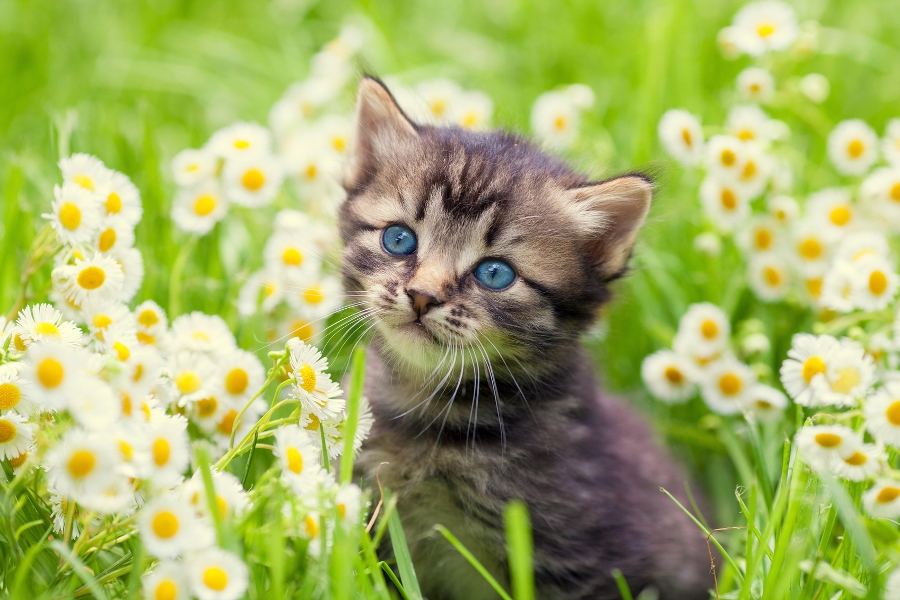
column 492, row 397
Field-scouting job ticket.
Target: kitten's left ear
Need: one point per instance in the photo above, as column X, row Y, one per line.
column 380, row 125
column 614, row 211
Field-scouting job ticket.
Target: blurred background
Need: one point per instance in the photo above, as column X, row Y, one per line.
column 136, row 82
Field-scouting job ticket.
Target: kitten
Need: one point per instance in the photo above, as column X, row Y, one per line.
column 481, row 260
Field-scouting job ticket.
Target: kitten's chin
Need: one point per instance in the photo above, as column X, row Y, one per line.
column 412, row 347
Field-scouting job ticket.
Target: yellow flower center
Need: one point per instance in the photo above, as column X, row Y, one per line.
column 166, row 590
column 559, row 123
column 101, row 321
column 127, row 450
column 91, row 277
column 122, row 351
column 342, row 510
column 227, row 423
column 686, row 136
column 302, row 329
column 148, row 318
column 728, row 157
column 763, row 239
column 161, row 452
column 188, row 382
column 895, row 192
column 709, row 329
column 765, row 30
column 877, row 283
column 828, row 440
column 207, row 407
column 294, row 460
column 113, row 203
column 50, row 373
column 848, row 378
column 81, row 463
column 18, row 461
column 856, row 459
column 438, row 107
column 307, row 378
column 46, row 328
column 749, row 169
column 84, row 181
column 313, row 424
column 241, row 144
column 673, row 375
column 339, row 144
column 729, row 200
column 772, row 276
column 730, row 384
column 892, row 414
column 292, row 256
column 70, row 216
column 126, row 404
column 763, row 404
column 10, row 394
column 855, row 148
column 311, row 171
column 236, row 381
column 7, row 431
column 888, row 494
column 814, row 287
column 312, row 528
column 107, row 240
column 19, row 343
column 253, row 179
column 313, row 295
column 840, row 215
column 810, row 248
column 204, row 205
column 165, row 524
column 145, row 338
column 215, row 578
column 812, row 367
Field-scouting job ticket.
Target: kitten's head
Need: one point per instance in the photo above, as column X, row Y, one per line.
column 477, row 244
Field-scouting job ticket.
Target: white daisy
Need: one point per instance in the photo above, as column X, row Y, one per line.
column 682, row 136
column 874, row 282
column 337, row 133
column 192, row 167
column 766, row 403
column 169, row 527
column 253, row 181
column 121, row 198
column 837, row 287
column 209, row 411
column 555, row 120
column 727, row 385
column 858, row 464
column 240, row 375
column 848, row 376
column 702, row 332
column 199, row 332
column 93, row 405
column 769, row 276
column 852, row 147
column 749, row 123
column 150, row 316
column 318, row 298
column 231, row 499
column 84, row 170
column 16, row 435
column 881, row 193
column 15, row 392
column 816, row 87
column 113, row 232
column 97, row 279
column 300, row 328
column 808, row 359
column 882, row 412
column 192, row 374
column 820, row 445
column 263, row 290
column 299, row 458
column 168, row 449
column 312, row 385
column 240, row 140
column 666, row 375
column 53, row 371
column 131, row 261
column 473, row 110
column 42, row 322
column 314, row 170
column 167, row 581
column 784, row 208
column 217, row 575
column 811, row 247
column 75, row 213
column 100, row 316
column 755, row 170
column 725, row 202
column 348, row 504
column 439, row 98
column 197, row 209
column 726, row 41
column 759, row 234
column 756, row 84
column 882, row 500
column 82, row 463
column 292, row 256
column 363, row 424
column 766, row 25
column 117, row 497
column 140, row 371
column 890, row 145
column 864, row 243
column 725, row 156
column 834, row 210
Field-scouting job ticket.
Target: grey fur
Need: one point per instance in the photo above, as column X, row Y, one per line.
column 491, row 397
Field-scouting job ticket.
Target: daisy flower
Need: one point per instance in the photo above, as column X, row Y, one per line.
column 703, row 331
column 131, row 262
column 59, row 508
column 363, row 424
column 769, row 276
column 197, row 209
column 240, row 375
column 100, row 316
column 231, row 499
column 755, row 170
column 749, row 123
column 199, row 332
column 726, row 386
column 169, row 527
column 439, row 97
column 167, row 581
column 217, row 575
column 75, row 213
column 113, row 232
column 766, row 403
column 833, row 209
column 784, row 208
column 81, row 463
column 262, row 290
column 890, row 145
column 168, row 449
column 337, row 133
column 289, row 255
column 848, row 376
column 15, row 392
column 882, row 500
column 881, row 193
column 725, row 156
column 766, row 25
column 298, row 457
column 726, row 41
column 84, row 170
column 820, row 445
column 53, row 372
column 726, row 203
column 816, row 87
column 42, row 322
column 117, row 497
column 759, row 234
column 665, row 373
column 555, row 120
column 121, row 198
column 240, row 140
column 93, row 405
column 808, row 358
column 209, row 411
column 348, row 503
column 150, row 316
column 858, row 245
column 756, row 84
column 97, row 279
column 858, row 464
column 852, row 147
column 874, row 283
column 140, row 371
column 882, row 412
column 682, row 136
column 837, row 287
column 892, row 586
column 193, row 375
column 16, row 435
column 300, row 328
column 318, row 299
column 811, row 248
column 252, row 181
column 312, row 385
column 192, row 167
column 474, row 110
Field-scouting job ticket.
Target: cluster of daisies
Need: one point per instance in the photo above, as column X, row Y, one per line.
column 102, row 403
column 704, row 358
column 827, row 251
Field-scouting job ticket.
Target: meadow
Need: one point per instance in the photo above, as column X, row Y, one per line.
column 135, row 84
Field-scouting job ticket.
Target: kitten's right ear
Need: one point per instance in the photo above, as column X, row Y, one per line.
column 380, row 125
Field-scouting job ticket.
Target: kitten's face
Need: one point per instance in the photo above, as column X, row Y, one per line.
column 476, row 245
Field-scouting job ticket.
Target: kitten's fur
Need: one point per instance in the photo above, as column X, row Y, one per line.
column 460, row 438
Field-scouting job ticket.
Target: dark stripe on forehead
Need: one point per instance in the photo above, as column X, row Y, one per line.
column 566, row 306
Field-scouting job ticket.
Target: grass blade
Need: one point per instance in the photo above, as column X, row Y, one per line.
column 474, row 562
column 404, row 560
column 519, row 549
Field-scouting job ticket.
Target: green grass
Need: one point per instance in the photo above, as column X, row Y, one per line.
column 135, row 82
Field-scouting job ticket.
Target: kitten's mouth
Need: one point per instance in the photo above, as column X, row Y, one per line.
column 419, row 330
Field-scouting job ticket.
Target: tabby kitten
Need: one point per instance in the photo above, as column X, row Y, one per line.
column 480, row 260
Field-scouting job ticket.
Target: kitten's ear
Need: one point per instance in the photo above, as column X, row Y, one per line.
column 615, row 211
column 380, row 124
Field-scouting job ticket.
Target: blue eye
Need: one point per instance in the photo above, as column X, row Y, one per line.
column 399, row 240
column 495, row 274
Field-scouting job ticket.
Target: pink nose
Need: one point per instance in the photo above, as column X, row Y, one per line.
column 421, row 302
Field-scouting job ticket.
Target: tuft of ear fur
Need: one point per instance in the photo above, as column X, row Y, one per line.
column 614, row 211
column 380, row 124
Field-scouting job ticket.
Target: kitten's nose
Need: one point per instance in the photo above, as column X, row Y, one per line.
column 421, row 301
